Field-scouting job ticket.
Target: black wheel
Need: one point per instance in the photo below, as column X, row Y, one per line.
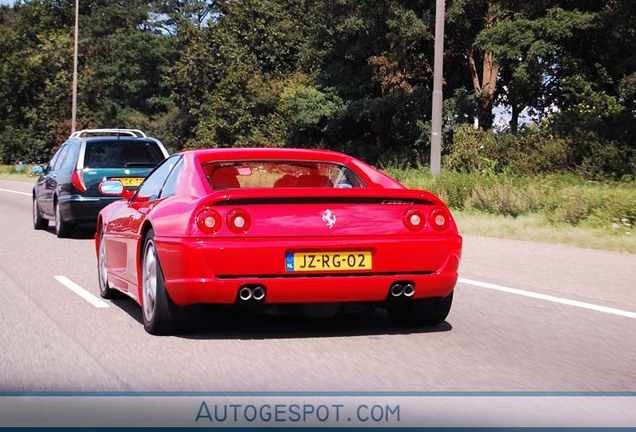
column 62, row 228
column 421, row 312
column 159, row 313
column 102, row 270
column 39, row 223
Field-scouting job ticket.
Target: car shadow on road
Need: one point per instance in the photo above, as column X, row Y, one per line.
column 210, row 323
column 367, row 323
column 78, row 233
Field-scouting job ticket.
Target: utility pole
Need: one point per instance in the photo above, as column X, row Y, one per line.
column 438, row 72
column 74, row 102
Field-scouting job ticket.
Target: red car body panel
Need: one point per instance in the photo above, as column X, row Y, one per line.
column 193, row 277
column 199, row 267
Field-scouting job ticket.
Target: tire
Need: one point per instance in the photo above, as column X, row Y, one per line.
column 105, row 291
column 62, row 228
column 39, row 223
column 421, row 312
column 160, row 315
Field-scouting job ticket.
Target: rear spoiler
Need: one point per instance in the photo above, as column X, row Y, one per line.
column 320, row 195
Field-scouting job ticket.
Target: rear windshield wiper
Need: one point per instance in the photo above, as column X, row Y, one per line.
column 140, row 164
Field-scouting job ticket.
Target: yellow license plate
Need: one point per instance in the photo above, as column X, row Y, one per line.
column 328, row 261
column 129, row 181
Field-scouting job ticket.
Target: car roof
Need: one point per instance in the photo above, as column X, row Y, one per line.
column 118, row 139
column 85, row 133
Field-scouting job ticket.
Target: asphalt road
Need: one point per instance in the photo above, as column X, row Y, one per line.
column 526, row 317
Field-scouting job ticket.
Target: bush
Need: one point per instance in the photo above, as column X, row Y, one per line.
column 559, row 198
column 568, row 205
column 531, row 152
column 536, row 151
column 472, row 151
column 605, row 159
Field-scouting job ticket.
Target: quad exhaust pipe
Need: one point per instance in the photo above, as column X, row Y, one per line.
column 251, row 292
column 258, row 292
column 402, row 289
column 245, row 293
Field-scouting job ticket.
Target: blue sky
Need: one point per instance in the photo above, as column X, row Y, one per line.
column 7, row 2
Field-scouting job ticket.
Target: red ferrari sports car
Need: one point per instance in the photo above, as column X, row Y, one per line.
column 283, row 227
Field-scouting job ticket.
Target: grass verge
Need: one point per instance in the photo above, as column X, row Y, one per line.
column 9, row 172
column 534, row 227
column 531, row 226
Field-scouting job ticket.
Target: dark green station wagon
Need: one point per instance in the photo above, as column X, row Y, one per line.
column 67, row 190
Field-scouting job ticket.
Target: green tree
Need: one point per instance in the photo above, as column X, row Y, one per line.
column 225, row 82
column 352, row 75
column 514, row 50
column 34, row 78
column 123, row 63
column 596, row 93
column 374, row 56
column 169, row 16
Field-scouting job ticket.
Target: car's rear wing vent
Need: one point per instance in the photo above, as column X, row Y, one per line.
column 108, row 132
column 322, row 200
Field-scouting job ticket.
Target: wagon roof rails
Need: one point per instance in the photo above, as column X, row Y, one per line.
column 108, row 132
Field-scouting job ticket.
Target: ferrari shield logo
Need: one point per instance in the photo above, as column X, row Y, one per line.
column 329, row 218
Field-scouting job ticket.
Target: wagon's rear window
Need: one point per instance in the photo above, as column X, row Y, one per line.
column 122, row 154
column 275, row 174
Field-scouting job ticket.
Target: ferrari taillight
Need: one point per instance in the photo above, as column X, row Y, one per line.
column 77, row 178
column 440, row 219
column 208, row 220
column 238, row 221
column 414, row 220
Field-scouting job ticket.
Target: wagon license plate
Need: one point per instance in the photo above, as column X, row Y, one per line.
column 328, row 261
column 129, row 181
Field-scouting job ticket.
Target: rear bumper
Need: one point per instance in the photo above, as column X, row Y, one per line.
column 83, row 210
column 212, row 271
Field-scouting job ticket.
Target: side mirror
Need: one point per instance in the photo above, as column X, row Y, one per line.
column 111, row 188
column 37, row 169
column 115, row 188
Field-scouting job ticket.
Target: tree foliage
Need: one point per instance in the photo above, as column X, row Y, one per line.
column 350, row 75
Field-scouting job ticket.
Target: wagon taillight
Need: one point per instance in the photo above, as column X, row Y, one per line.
column 77, row 179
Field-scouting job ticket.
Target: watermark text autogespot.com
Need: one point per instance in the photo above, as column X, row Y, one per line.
column 297, row 413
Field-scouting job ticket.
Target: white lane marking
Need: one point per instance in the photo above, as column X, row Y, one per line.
column 15, row 192
column 98, row 303
column 550, row 298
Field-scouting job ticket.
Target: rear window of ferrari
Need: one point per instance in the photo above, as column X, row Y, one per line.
column 274, row 174
column 122, row 154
